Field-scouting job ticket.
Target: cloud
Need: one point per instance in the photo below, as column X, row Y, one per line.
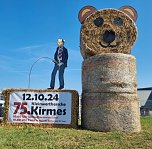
column 12, row 64
column 23, row 58
column 38, row 50
column 34, row 47
column 16, row 65
column 48, row 49
column 26, row 56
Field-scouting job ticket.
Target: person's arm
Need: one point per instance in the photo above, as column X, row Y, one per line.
column 55, row 55
column 65, row 57
column 66, row 54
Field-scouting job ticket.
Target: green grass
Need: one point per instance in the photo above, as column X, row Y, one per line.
column 36, row 138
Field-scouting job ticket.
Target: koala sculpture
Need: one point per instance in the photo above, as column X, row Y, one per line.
column 107, row 30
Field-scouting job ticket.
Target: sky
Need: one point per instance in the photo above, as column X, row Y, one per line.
column 29, row 30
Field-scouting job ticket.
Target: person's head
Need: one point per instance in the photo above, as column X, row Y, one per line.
column 60, row 42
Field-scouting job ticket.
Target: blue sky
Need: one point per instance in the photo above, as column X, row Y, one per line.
column 29, row 30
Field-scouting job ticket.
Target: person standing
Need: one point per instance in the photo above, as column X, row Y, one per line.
column 60, row 60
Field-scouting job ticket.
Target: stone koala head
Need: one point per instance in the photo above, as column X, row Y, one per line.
column 107, row 30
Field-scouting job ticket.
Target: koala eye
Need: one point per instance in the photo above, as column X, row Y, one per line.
column 98, row 21
column 118, row 21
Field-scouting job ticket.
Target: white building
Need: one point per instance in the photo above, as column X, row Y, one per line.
column 145, row 101
column 1, row 96
column 1, row 105
column 1, row 100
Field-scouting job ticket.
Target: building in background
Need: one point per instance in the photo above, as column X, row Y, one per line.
column 145, row 101
column 1, row 105
column 1, row 96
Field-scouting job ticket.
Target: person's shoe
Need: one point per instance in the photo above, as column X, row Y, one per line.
column 50, row 88
column 60, row 88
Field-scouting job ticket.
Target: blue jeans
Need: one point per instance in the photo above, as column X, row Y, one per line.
column 61, row 75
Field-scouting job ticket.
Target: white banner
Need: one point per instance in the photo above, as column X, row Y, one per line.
column 40, row 107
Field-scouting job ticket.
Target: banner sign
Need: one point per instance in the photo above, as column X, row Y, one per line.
column 40, row 107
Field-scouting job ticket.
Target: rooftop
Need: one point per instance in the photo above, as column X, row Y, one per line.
column 147, row 88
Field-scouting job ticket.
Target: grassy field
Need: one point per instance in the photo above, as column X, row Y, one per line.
column 35, row 138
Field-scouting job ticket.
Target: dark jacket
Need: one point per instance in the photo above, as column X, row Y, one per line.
column 64, row 56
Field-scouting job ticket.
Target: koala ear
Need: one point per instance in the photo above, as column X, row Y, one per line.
column 85, row 12
column 130, row 11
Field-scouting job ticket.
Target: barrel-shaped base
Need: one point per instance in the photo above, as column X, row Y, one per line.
column 110, row 112
column 112, row 72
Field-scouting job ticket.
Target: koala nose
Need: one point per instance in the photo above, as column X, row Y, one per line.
column 109, row 36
